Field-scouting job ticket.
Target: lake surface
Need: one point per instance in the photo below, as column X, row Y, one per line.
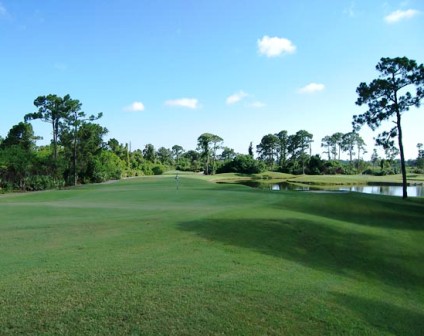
column 413, row 191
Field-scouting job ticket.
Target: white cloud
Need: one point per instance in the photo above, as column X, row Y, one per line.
column 275, row 46
column 191, row 103
column 135, row 107
column 312, row 87
column 399, row 15
column 257, row 104
column 236, row 97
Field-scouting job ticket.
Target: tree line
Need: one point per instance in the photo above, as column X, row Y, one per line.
column 78, row 152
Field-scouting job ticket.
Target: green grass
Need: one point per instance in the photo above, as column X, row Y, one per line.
column 354, row 179
column 138, row 257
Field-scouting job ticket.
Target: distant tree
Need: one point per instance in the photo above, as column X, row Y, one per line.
column 73, row 119
column 203, row 144
column 164, row 156
column 177, row 150
column 374, row 157
column 15, row 166
column 282, row 147
column 128, row 154
column 388, row 97
column 136, row 159
column 227, row 154
column 149, row 153
column 360, row 146
column 51, row 109
column 21, row 135
column 17, row 156
column 208, row 144
column 89, row 147
column 216, row 144
column 267, row 149
column 117, row 148
column 191, row 160
column 328, row 143
column 420, row 150
column 391, row 154
column 353, row 144
column 250, row 150
column 243, row 164
column 107, row 166
column 349, row 144
column 420, row 157
column 315, row 165
column 360, row 150
column 297, row 146
column 337, row 140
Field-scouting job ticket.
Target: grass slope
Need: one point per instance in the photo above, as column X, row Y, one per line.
column 139, row 257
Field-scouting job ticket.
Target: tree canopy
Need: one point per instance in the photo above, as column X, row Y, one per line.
column 400, row 86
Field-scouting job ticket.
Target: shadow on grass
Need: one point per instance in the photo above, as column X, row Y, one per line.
column 384, row 316
column 314, row 245
column 377, row 211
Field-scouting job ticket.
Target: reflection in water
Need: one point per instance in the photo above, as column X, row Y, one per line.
column 413, row 191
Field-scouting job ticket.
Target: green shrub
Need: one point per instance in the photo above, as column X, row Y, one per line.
column 42, row 182
column 243, row 164
column 158, row 170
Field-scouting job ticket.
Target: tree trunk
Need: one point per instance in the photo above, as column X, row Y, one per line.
column 54, row 140
column 402, row 157
column 75, row 157
column 207, row 164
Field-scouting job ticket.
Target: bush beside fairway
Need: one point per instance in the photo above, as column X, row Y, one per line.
column 139, row 257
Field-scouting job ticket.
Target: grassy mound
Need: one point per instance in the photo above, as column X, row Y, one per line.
column 143, row 258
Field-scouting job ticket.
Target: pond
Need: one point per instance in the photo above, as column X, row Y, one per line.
column 391, row 190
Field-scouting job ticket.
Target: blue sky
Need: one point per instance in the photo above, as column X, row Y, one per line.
column 164, row 72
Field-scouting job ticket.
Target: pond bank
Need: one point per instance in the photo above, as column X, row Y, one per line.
column 386, row 185
column 382, row 189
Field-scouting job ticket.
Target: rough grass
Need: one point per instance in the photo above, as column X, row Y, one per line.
column 139, row 257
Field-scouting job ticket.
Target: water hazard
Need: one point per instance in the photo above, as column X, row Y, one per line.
column 413, row 191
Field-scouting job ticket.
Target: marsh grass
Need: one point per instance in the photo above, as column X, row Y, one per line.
column 140, row 257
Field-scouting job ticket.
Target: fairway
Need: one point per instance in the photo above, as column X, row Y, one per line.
column 139, row 257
